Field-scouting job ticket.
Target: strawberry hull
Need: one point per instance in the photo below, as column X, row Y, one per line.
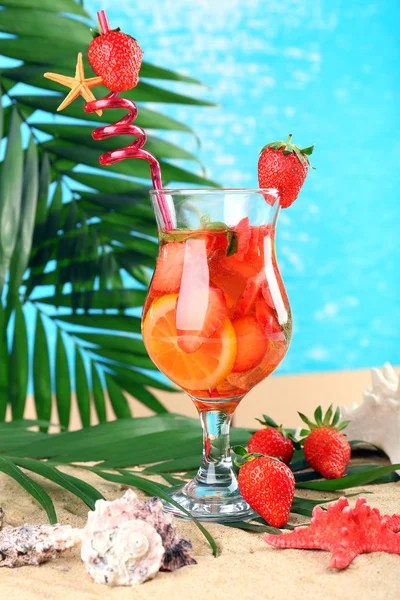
column 224, row 305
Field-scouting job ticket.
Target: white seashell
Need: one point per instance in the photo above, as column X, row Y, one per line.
column 377, row 419
column 107, row 515
column 129, row 553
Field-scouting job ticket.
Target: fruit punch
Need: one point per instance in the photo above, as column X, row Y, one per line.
column 217, row 318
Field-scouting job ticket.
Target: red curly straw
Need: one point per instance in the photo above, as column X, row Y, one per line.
column 125, row 127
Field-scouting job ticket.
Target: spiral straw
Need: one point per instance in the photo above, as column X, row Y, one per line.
column 125, row 127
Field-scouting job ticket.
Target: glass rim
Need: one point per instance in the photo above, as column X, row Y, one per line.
column 184, row 191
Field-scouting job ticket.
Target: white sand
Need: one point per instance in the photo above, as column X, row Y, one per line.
column 246, row 568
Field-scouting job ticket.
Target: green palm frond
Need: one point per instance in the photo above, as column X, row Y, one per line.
column 162, row 445
column 77, row 240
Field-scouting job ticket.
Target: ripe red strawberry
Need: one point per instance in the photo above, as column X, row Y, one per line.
column 169, row 268
column 116, row 57
column 326, row 449
column 284, row 166
column 267, row 484
column 272, row 440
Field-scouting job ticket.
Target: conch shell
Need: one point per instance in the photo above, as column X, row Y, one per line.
column 127, row 541
column 377, row 419
column 128, row 554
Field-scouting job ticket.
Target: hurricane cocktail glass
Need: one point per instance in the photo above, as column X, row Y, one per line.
column 216, row 321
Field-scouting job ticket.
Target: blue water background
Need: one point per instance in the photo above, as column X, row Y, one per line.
column 328, row 73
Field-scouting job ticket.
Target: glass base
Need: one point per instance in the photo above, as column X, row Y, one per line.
column 210, row 505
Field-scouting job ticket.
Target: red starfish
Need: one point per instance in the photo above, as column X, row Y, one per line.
column 345, row 531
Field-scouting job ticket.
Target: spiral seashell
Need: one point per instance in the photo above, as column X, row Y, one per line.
column 128, row 554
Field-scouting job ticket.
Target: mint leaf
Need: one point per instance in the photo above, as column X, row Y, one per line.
column 232, row 242
column 206, row 225
column 216, row 226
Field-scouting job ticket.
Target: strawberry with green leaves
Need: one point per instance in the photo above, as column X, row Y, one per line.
column 284, row 166
column 267, row 485
column 272, row 440
column 326, row 449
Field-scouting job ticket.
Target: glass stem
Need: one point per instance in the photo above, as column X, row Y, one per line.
column 216, row 469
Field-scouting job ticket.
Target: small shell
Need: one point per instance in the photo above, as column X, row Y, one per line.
column 35, row 544
column 2, row 517
column 128, row 554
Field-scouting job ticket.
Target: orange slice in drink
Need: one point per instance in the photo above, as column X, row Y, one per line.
column 200, row 370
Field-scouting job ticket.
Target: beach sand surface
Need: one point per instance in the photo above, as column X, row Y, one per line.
column 245, row 568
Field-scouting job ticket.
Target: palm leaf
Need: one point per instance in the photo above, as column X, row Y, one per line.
column 23, row 245
column 87, row 493
column 18, row 365
column 41, row 372
column 77, row 240
column 69, row 6
column 141, row 442
column 62, row 382
column 11, row 179
column 29, row 485
column 3, row 364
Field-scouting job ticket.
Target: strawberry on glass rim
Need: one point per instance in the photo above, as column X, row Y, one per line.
column 284, row 167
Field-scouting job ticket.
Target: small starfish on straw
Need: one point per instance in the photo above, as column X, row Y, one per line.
column 78, row 84
column 345, row 531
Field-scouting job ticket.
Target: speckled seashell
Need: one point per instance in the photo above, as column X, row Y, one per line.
column 35, row 544
column 377, row 419
column 178, row 550
column 127, row 554
column 2, row 517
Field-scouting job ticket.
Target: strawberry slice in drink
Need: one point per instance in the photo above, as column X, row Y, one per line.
column 268, row 321
column 190, row 340
column 255, row 286
column 251, row 343
column 216, row 244
column 272, row 358
column 247, row 299
column 243, row 234
column 255, row 258
column 169, row 268
column 237, row 266
column 266, row 292
column 231, row 283
column 255, row 253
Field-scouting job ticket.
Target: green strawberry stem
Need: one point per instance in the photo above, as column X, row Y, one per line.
column 242, row 456
column 289, row 148
column 268, row 422
column 323, row 421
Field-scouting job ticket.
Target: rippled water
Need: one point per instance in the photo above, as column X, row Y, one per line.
column 328, row 72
